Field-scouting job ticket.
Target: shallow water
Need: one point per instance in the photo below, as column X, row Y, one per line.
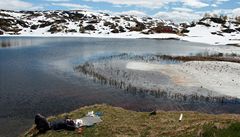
column 37, row 76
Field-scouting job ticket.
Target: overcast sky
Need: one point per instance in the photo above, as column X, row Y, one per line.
column 176, row 10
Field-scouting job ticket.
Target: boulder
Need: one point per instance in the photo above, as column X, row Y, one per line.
column 147, row 31
column 34, row 27
column 22, row 23
column 139, row 27
column 121, row 29
column 238, row 29
column 184, row 30
column 45, row 24
column 89, row 27
column 1, row 32
column 228, row 30
column 115, row 18
column 217, row 20
column 107, row 23
column 115, row 31
column 205, row 24
column 71, row 30
column 163, row 29
column 55, row 29
column 93, row 21
column 60, row 21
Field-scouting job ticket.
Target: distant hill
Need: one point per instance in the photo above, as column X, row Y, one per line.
column 220, row 30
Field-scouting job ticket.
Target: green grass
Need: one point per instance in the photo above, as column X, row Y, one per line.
column 118, row 122
column 233, row 130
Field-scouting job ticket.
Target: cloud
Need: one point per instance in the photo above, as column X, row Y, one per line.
column 182, row 9
column 229, row 12
column 214, row 5
column 71, row 5
column 195, row 3
column 132, row 12
column 154, row 3
column 221, row 1
column 58, row 0
column 236, row 12
column 178, row 16
column 15, row 5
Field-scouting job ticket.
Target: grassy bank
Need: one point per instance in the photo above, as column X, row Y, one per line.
column 120, row 122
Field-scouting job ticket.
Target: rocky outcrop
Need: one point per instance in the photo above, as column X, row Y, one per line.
column 89, row 27
column 79, row 21
column 115, row 31
column 1, row 32
column 34, row 27
column 139, row 27
column 56, row 29
column 45, row 23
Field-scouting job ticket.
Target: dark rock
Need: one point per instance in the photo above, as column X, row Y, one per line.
column 22, row 23
column 71, row 30
column 76, row 16
column 45, row 24
column 113, row 26
column 121, row 29
column 184, row 25
column 60, row 21
column 217, row 20
column 238, row 29
column 115, row 31
column 205, row 24
column 184, row 30
column 35, row 15
column 193, row 24
column 9, row 25
column 163, row 29
column 5, row 15
column 27, row 12
column 89, row 27
column 105, row 14
column 139, row 27
column 52, row 15
column 203, row 19
column 93, row 21
column 214, row 33
column 147, row 32
column 7, row 22
column 228, row 30
column 107, row 23
column 1, row 32
column 115, row 18
column 220, row 34
column 94, row 17
column 126, row 18
column 55, row 29
column 34, row 27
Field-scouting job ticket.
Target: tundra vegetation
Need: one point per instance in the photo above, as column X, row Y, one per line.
column 121, row 122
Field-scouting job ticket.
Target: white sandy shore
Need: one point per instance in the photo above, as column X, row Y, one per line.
column 222, row 77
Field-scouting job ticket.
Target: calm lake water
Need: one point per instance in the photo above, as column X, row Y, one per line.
column 37, row 77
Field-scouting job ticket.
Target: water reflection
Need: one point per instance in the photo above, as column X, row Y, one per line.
column 6, row 42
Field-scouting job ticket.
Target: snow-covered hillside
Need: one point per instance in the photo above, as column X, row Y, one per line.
column 93, row 24
column 215, row 30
